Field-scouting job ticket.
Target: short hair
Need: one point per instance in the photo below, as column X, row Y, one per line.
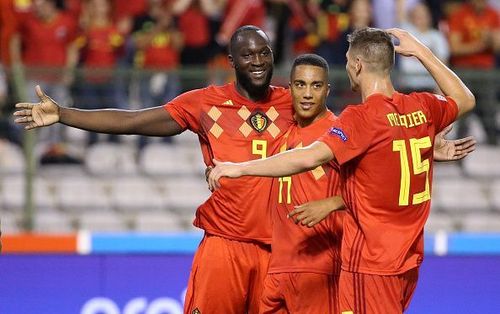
column 375, row 47
column 311, row 59
column 240, row 31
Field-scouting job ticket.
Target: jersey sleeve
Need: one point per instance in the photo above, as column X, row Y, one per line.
column 348, row 137
column 185, row 109
column 444, row 110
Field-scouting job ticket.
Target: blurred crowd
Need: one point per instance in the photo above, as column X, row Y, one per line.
column 75, row 49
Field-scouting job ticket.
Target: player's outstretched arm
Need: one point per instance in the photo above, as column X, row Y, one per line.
column 280, row 165
column 152, row 121
column 449, row 150
column 449, row 83
column 311, row 213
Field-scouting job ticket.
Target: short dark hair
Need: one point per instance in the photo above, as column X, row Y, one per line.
column 375, row 47
column 311, row 59
column 240, row 31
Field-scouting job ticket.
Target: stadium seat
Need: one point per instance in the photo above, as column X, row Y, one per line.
column 160, row 159
column 53, row 222
column 187, row 138
column 111, row 159
column 82, row 193
column 481, row 222
column 10, row 222
column 103, row 221
column 495, row 195
column 440, row 222
column 447, row 170
column 13, row 193
column 157, row 222
column 185, row 194
column 11, row 158
column 484, row 162
column 460, row 195
column 129, row 194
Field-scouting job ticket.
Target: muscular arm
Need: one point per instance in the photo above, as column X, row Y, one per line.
column 280, row 165
column 449, row 83
column 152, row 121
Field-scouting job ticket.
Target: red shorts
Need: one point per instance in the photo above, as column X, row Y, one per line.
column 376, row 294
column 227, row 276
column 300, row 293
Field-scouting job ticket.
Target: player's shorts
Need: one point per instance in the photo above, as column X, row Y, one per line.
column 227, row 277
column 376, row 294
column 300, row 293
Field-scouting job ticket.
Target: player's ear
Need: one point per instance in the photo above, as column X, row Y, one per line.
column 328, row 90
column 358, row 65
column 231, row 60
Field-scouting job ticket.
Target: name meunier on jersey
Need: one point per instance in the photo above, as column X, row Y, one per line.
column 408, row 120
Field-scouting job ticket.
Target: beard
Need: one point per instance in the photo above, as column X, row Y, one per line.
column 254, row 89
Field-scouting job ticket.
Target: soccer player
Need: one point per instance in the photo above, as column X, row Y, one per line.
column 240, row 121
column 384, row 147
column 305, row 261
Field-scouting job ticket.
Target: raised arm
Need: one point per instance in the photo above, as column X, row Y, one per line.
column 151, row 122
column 284, row 164
column 449, row 83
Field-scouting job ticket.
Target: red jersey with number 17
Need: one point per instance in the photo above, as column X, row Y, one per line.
column 297, row 248
column 385, row 150
column 233, row 128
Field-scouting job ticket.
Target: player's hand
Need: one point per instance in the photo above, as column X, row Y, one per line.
column 222, row 169
column 35, row 115
column 207, row 174
column 311, row 213
column 448, row 150
column 408, row 45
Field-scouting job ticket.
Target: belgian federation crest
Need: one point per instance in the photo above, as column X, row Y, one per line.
column 259, row 121
column 196, row 311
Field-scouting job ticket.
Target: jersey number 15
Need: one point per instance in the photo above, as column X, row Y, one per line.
column 419, row 166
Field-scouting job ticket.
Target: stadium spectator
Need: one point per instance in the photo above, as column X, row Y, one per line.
column 332, row 22
column 360, row 16
column 194, row 24
column 99, row 47
column 385, row 12
column 7, row 28
column 474, row 36
column 382, row 245
column 418, row 21
column 49, row 27
column 242, row 120
column 158, row 43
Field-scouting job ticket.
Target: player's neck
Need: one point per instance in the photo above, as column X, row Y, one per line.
column 253, row 93
column 303, row 122
column 375, row 84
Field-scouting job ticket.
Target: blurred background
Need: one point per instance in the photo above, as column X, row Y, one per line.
column 64, row 190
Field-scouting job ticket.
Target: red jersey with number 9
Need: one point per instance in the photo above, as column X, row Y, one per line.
column 385, row 149
column 233, row 128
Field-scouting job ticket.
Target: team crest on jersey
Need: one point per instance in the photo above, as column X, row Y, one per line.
column 196, row 311
column 338, row 132
column 259, row 121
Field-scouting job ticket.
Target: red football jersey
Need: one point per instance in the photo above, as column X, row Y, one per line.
column 233, row 128
column 53, row 36
column 297, row 248
column 385, row 149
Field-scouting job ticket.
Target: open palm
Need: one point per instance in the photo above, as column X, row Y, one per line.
column 35, row 115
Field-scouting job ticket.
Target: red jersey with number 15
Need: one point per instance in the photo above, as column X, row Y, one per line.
column 233, row 128
column 385, row 150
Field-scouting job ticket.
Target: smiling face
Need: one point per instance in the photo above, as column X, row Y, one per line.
column 252, row 58
column 309, row 87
